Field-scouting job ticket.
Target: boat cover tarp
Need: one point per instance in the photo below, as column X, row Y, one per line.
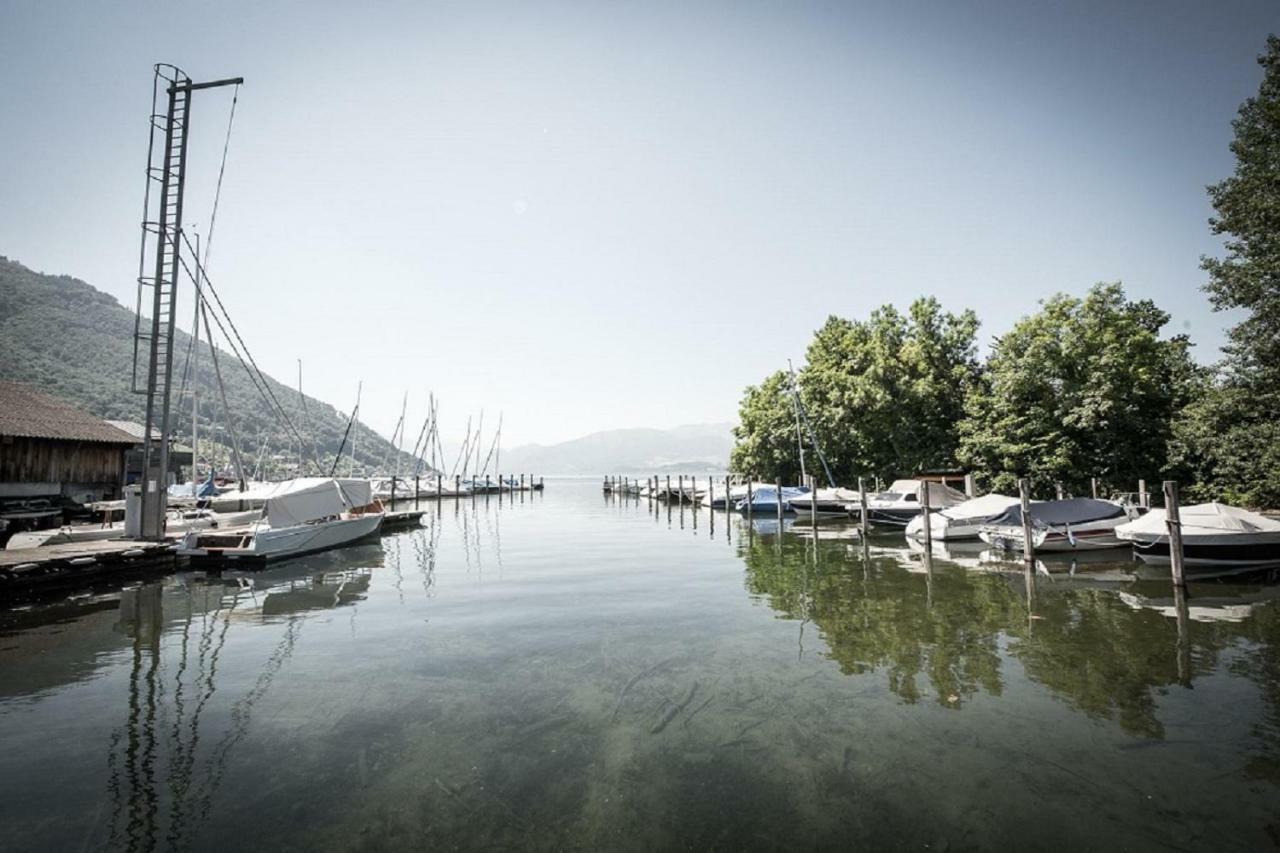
column 983, row 507
column 357, row 492
column 1211, row 519
column 940, row 494
column 1070, row 511
column 308, row 499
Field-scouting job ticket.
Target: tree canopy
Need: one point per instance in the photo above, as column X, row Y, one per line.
column 1229, row 442
column 1083, row 388
column 882, row 396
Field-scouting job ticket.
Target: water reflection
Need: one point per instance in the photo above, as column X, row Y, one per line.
column 611, row 682
column 167, row 760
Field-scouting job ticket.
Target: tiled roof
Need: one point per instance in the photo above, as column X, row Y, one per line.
column 27, row 413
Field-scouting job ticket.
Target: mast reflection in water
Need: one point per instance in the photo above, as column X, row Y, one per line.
column 564, row 670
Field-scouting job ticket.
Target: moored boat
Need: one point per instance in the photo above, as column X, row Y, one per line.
column 901, row 502
column 1213, row 534
column 301, row 517
column 1075, row 524
column 963, row 520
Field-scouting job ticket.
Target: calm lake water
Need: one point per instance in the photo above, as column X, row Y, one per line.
column 570, row 671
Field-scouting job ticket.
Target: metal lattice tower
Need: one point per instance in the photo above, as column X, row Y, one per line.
column 157, row 292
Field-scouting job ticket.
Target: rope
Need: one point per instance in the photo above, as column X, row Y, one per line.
column 246, row 359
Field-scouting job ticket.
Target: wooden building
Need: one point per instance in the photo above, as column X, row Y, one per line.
column 50, row 450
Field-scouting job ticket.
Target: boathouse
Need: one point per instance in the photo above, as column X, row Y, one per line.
column 180, row 457
column 51, row 451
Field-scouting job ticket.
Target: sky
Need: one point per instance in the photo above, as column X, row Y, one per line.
column 601, row 215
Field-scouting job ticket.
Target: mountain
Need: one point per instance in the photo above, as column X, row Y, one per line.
column 75, row 342
column 683, row 450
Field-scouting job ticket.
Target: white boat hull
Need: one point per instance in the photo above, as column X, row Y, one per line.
column 261, row 543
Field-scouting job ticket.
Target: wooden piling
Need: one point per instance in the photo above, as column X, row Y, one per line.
column 393, row 490
column 1028, row 544
column 970, row 487
column 457, row 485
column 439, row 486
column 667, row 494
column 693, row 490
column 1093, row 487
column 749, row 498
column 416, row 489
column 862, row 500
column 927, row 510
column 1174, row 522
column 813, row 503
column 777, row 498
column 1058, row 487
column 1144, row 500
column 727, row 502
column 680, row 496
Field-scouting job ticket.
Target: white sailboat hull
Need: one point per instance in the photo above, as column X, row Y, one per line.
column 262, row 543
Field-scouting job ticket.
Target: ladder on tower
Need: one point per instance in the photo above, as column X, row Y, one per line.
column 153, row 350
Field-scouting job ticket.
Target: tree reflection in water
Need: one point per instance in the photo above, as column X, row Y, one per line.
column 934, row 628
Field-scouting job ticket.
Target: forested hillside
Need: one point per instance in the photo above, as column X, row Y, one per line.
column 76, row 343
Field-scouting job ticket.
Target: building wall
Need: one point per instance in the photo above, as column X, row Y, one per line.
column 92, row 465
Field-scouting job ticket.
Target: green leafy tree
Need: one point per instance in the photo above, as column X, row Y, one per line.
column 882, row 395
column 1084, row 387
column 1230, row 439
column 766, row 431
column 885, row 395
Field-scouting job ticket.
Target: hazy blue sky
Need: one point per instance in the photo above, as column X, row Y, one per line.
column 596, row 215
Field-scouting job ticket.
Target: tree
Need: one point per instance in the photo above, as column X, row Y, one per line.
column 1085, row 387
column 1230, row 440
column 883, row 396
column 766, row 431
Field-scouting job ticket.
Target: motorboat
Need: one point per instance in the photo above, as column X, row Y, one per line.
column 1213, row 534
column 766, row 499
column 962, row 520
column 901, row 503
column 827, row 503
column 715, row 498
column 1075, row 524
column 177, row 522
column 302, row 516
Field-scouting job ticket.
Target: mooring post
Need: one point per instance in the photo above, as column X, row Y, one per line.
column 1174, row 522
column 778, row 500
column 813, row 505
column 666, row 495
column 1058, row 486
column 711, row 494
column 862, row 500
column 393, row 491
column 681, row 493
column 457, row 485
column 439, row 486
column 1024, row 495
column 749, row 498
column 415, row 491
column 693, row 490
column 1144, row 500
column 1093, row 487
column 927, row 511
column 727, row 502
column 970, row 487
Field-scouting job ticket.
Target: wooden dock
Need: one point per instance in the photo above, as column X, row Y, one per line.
column 76, row 562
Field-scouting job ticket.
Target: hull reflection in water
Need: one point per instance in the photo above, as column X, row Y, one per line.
column 573, row 673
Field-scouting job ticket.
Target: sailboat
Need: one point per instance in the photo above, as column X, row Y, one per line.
column 301, row 516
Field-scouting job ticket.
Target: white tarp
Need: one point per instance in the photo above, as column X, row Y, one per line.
column 1211, row 519
column 357, row 492
column 940, row 494
column 986, row 506
column 304, row 499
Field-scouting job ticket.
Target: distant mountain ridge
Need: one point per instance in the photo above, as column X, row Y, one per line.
column 75, row 342
column 693, row 448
